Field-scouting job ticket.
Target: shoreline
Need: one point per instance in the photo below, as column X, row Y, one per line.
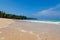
column 45, row 30
column 37, row 21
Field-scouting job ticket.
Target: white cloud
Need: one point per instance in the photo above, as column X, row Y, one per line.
column 51, row 12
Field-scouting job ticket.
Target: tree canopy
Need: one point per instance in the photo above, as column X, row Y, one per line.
column 12, row 16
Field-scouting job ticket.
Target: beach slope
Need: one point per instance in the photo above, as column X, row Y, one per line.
column 23, row 30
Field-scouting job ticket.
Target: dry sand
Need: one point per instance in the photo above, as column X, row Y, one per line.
column 21, row 30
column 5, row 22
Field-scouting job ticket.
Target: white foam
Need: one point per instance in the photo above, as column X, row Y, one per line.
column 31, row 32
column 23, row 30
column 41, row 21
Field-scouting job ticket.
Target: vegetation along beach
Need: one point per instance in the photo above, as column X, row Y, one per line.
column 29, row 19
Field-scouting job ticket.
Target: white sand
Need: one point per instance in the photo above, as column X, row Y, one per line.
column 23, row 30
column 5, row 22
column 47, row 31
column 11, row 32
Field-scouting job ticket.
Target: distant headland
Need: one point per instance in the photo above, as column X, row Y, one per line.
column 12, row 16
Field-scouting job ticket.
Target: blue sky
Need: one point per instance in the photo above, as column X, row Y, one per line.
column 42, row 9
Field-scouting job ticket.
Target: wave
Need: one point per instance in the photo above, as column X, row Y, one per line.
column 38, row 21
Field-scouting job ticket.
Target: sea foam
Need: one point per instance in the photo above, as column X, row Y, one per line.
column 37, row 21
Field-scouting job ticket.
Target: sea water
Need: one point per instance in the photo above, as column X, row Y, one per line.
column 43, row 21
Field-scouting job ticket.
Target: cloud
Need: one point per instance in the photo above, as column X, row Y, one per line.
column 51, row 12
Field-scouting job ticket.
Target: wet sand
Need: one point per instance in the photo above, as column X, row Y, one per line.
column 21, row 30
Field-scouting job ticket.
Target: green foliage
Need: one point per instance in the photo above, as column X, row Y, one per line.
column 32, row 18
column 11, row 16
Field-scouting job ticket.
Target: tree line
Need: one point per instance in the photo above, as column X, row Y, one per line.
column 12, row 16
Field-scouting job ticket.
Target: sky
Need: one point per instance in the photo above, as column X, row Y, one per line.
column 41, row 9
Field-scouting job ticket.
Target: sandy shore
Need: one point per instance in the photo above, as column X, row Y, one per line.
column 22, row 30
column 5, row 22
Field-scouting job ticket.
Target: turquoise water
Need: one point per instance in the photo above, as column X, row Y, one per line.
column 49, row 20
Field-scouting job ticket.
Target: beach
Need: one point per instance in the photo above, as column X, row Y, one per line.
column 28, row 30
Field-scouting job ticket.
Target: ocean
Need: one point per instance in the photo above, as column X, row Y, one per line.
column 43, row 21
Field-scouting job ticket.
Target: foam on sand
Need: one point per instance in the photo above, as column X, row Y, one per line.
column 28, row 30
column 14, row 34
column 8, row 32
column 49, row 22
column 46, row 30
